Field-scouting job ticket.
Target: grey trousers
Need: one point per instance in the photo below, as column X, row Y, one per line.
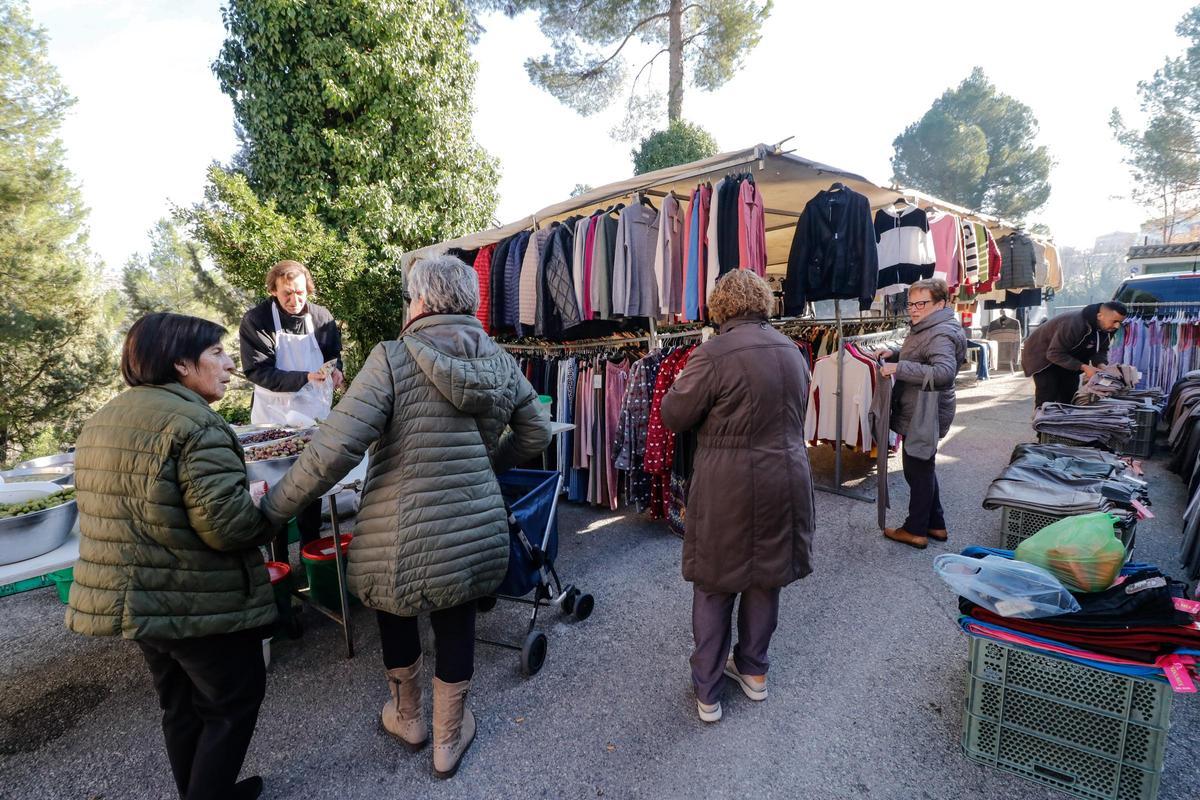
column 758, row 614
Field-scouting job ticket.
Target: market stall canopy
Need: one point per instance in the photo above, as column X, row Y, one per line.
column 787, row 182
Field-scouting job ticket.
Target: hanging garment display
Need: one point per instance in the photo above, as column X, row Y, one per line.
column 834, row 255
column 906, row 249
column 668, row 257
column 946, row 230
column 634, row 287
column 1161, row 348
column 1018, row 268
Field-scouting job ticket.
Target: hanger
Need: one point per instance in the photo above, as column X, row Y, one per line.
column 837, row 186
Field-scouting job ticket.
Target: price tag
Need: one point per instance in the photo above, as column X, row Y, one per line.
column 1142, row 511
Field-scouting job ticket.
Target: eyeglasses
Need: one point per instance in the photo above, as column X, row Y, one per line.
column 918, row 305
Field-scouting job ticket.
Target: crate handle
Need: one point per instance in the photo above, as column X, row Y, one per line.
column 1054, row 774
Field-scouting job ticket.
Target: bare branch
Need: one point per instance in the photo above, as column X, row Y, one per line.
column 653, row 58
column 596, row 68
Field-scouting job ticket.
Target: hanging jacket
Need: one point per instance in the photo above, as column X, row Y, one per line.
column 1018, row 269
column 442, row 410
column 560, row 306
column 906, row 249
column 833, row 255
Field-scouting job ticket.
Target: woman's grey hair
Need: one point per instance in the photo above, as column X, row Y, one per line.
column 445, row 284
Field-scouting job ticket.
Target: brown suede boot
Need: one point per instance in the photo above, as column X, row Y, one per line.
column 940, row 534
column 453, row 726
column 402, row 716
column 904, row 537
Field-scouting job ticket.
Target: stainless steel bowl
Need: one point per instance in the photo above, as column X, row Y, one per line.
column 63, row 476
column 57, row 460
column 270, row 470
column 32, row 535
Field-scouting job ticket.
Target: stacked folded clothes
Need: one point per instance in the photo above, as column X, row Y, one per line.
column 1109, row 381
column 1143, row 625
column 1109, row 424
column 1060, row 480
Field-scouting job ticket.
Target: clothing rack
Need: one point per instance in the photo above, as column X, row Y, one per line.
column 838, row 487
column 582, row 344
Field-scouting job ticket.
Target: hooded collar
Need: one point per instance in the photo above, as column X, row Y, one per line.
column 435, row 319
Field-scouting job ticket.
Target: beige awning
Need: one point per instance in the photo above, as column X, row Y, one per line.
column 786, row 181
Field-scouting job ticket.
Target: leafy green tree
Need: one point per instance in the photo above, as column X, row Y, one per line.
column 706, row 40
column 355, row 123
column 976, row 147
column 682, row 142
column 171, row 277
column 56, row 354
column 1164, row 156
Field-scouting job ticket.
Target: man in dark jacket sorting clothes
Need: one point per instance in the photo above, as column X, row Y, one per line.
column 1064, row 347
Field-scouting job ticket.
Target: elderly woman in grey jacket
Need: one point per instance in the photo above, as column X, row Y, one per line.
column 442, row 410
column 934, row 348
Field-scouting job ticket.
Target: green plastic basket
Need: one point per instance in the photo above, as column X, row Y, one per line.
column 62, row 580
column 1085, row 731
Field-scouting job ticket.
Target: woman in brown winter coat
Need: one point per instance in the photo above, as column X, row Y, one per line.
column 750, row 509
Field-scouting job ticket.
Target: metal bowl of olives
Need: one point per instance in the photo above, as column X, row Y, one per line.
column 62, row 475
column 271, row 460
column 35, row 518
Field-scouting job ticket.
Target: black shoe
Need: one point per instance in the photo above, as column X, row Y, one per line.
column 248, row 789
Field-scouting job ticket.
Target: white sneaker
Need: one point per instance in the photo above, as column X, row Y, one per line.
column 754, row 691
column 709, row 713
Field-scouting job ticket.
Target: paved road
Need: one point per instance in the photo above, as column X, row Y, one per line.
column 866, row 699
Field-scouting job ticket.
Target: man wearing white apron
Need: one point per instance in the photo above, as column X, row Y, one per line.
column 286, row 341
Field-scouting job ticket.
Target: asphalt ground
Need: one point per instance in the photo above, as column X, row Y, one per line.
column 867, row 680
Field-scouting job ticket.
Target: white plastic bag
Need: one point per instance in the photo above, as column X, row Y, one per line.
column 1006, row 587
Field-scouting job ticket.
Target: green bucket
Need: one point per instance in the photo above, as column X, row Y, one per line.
column 321, row 569
column 62, row 580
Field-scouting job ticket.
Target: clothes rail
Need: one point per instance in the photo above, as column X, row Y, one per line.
column 584, row 344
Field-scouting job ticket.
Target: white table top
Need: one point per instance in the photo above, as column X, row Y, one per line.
column 64, row 556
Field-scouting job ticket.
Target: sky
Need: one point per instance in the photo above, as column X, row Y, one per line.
column 843, row 79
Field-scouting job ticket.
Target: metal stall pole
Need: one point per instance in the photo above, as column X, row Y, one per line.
column 340, row 563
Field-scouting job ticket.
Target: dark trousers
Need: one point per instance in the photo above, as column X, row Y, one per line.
column 1054, row 384
column 924, row 496
column 758, row 614
column 210, row 689
column 454, row 641
column 308, row 521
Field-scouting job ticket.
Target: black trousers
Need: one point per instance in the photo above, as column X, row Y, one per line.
column 454, row 640
column 309, row 523
column 210, row 689
column 1054, row 384
column 924, row 497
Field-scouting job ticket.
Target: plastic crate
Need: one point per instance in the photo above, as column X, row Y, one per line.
column 1145, row 429
column 1084, row 731
column 1018, row 524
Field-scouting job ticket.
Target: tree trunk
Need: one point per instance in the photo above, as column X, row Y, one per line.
column 675, row 45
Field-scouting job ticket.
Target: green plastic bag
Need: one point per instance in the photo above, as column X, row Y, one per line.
column 1083, row 551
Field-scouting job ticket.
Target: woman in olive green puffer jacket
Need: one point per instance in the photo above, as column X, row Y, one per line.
column 168, row 553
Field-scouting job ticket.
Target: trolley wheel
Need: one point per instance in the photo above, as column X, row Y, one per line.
column 567, row 603
column 584, row 605
column 533, row 653
column 485, row 604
